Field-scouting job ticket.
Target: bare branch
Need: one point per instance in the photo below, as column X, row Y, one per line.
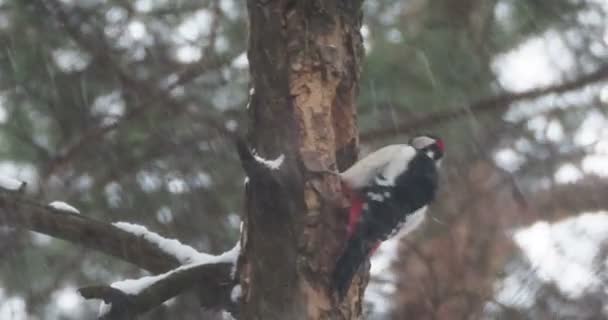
column 154, row 95
column 493, row 104
column 587, row 194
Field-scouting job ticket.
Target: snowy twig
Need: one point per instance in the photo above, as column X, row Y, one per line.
column 270, row 164
column 183, row 253
column 10, row 184
column 211, row 276
column 62, row 206
column 129, row 298
column 255, row 166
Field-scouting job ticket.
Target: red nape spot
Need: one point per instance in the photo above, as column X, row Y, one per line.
column 440, row 144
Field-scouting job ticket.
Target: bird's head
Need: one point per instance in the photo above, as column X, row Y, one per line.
column 430, row 144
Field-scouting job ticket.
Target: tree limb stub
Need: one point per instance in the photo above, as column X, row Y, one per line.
column 252, row 167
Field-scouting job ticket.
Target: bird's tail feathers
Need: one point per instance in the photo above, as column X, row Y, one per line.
column 353, row 257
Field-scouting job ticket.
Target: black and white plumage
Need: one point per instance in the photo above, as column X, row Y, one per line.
column 390, row 190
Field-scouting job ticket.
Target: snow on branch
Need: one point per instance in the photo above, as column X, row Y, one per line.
column 56, row 220
column 270, row 164
column 135, row 296
column 135, row 286
column 257, row 167
column 183, row 253
column 62, row 206
column 10, row 184
column 182, row 267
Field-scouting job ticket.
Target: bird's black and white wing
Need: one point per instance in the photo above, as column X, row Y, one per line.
column 365, row 170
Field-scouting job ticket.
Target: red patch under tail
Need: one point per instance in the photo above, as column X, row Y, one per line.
column 354, row 214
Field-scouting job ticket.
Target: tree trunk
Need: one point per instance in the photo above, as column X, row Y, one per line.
column 304, row 61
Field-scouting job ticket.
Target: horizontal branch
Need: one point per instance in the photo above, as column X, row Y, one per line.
column 493, row 104
column 210, row 276
column 17, row 211
column 587, row 194
column 213, row 280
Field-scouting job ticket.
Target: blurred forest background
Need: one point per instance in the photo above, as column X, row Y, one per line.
column 114, row 105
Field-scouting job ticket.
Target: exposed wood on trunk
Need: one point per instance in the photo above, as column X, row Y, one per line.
column 304, row 58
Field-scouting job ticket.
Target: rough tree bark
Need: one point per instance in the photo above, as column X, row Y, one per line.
column 304, row 61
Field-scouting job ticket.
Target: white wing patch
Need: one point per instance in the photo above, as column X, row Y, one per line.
column 398, row 164
column 366, row 169
column 375, row 196
column 382, row 181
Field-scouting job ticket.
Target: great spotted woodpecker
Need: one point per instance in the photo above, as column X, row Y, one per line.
column 389, row 191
